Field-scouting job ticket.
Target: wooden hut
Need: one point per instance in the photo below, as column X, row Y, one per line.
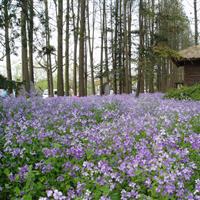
column 190, row 60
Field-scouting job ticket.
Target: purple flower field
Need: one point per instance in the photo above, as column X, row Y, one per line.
column 107, row 148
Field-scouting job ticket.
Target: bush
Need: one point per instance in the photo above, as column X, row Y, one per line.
column 185, row 93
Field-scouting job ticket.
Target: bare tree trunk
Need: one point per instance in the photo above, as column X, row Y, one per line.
column 48, row 46
column 25, row 71
column 141, row 48
column 67, row 52
column 120, row 54
column 81, row 49
column 76, row 33
column 196, row 22
column 60, row 87
column 106, row 43
column 102, row 47
column 91, row 46
column 129, row 46
column 30, row 39
column 7, row 41
column 126, row 53
column 112, row 43
column 151, row 81
column 85, row 68
column 115, row 47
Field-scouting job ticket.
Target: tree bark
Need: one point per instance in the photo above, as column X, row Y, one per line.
column 60, row 88
column 48, row 46
column 141, row 48
column 25, row 71
column 196, row 22
column 81, row 49
column 30, row 39
column 7, row 41
column 126, row 53
column 67, row 52
column 91, row 46
column 106, row 43
column 115, row 48
column 130, row 46
column 76, row 34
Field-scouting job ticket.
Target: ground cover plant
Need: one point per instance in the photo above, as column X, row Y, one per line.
column 112, row 147
column 185, row 93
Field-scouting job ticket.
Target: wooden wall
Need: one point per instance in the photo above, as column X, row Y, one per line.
column 191, row 74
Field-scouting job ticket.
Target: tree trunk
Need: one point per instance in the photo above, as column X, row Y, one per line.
column 67, row 52
column 48, row 46
column 25, row 71
column 126, row 53
column 129, row 46
column 76, row 33
column 102, row 47
column 91, row 46
column 115, row 48
column 60, row 87
column 120, row 53
column 141, row 49
column 105, row 43
column 85, row 68
column 81, row 49
column 7, row 41
column 196, row 22
column 30, row 39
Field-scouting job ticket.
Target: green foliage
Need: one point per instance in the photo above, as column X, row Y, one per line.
column 9, row 84
column 42, row 84
column 164, row 51
column 185, row 93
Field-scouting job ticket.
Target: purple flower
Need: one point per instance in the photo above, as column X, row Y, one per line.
column 23, row 172
column 77, row 151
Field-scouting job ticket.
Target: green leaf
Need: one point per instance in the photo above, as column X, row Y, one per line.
column 27, row 197
column 115, row 196
column 17, row 191
column 7, row 172
column 97, row 195
column 105, row 189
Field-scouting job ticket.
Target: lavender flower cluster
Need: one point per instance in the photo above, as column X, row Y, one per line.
column 109, row 148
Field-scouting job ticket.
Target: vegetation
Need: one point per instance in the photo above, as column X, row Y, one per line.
column 185, row 93
column 9, row 85
column 111, row 148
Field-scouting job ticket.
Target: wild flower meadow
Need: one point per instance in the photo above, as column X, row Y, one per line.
column 107, row 148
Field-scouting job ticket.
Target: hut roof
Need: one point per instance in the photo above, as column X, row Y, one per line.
column 188, row 55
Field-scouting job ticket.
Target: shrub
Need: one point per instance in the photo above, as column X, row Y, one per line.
column 185, row 93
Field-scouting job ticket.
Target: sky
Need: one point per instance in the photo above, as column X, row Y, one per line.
column 189, row 9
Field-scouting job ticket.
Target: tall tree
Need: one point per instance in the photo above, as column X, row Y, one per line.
column 126, row 53
column 48, row 51
column 5, row 4
column 130, row 44
column 91, row 43
column 196, row 22
column 60, row 86
column 81, row 48
column 30, row 24
column 141, row 50
column 67, row 37
column 102, row 51
column 105, row 36
column 115, row 47
column 76, row 35
column 25, row 71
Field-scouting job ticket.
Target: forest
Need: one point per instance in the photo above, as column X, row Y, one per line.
column 85, row 45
